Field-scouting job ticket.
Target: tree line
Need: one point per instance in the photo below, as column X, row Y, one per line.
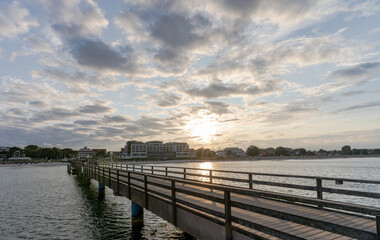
column 36, row 152
column 285, row 151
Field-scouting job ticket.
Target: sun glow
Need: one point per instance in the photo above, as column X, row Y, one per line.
column 203, row 129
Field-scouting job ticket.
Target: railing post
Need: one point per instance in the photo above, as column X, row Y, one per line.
column 210, row 171
column 319, row 189
column 184, row 173
column 133, row 168
column 109, row 177
column 118, row 188
column 174, row 208
column 250, row 181
column 145, row 192
column 129, row 186
column 227, row 214
column 104, row 176
column 142, row 168
column 166, row 171
column 151, row 169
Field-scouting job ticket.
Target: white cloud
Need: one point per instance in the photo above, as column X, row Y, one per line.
column 76, row 18
column 15, row 20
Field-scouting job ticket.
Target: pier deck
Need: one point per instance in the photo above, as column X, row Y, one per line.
column 215, row 211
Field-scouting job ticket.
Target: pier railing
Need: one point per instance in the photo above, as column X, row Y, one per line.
column 146, row 180
column 247, row 179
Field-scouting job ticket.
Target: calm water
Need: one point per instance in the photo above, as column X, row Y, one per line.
column 46, row 203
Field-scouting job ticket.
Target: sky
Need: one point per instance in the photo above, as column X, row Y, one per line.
column 215, row 73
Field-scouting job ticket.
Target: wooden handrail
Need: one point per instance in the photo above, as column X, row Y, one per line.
column 165, row 170
column 114, row 174
column 267, row 194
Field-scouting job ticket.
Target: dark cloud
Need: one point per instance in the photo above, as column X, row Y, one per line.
column 95, row 108
column 359, row 106
column 52, row 114
column 50, row 134
column 165, row 99
column 171, row 61
column 39, row 104
column 218, row 89
column 86, row 122
column 99, row 55
column 356, row 72
column 218, row 107
column 176, row 31
column 115, row 119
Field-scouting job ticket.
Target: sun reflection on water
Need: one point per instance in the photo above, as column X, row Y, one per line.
column 206, row 173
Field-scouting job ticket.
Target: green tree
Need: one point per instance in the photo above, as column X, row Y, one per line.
column 253, row 151
column 32, row 151
column 211, row 154
column 199, row 152
column 12, row 151
column 68, row 153
column 282, row 151
column 322, row 151
column 346, row 150
column 101, row 153
column 310, row 153
column 356, row 151
column 229, row 153
column 299, row 151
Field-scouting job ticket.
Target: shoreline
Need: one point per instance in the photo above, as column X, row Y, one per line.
column 244, row 159
column 168, row 161
column 40, row 164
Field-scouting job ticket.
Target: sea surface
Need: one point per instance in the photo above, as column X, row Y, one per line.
column 48, row 203
column 45, row 202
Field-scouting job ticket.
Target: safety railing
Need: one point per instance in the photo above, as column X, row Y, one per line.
column 144, row 179
column 218, row 176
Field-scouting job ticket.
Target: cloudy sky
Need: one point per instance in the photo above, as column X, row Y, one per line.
column 213, row 73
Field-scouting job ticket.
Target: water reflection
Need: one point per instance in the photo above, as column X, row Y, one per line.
column 110, row 218
column 208, row 166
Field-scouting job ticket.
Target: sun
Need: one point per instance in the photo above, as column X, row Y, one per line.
column 203, row 128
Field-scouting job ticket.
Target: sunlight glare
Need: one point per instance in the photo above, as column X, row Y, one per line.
column 204, row 128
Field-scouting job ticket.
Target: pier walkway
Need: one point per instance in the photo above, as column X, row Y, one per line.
column 212, row 204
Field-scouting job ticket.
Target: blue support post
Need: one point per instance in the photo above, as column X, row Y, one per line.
column 102, row 190
column 137, row 214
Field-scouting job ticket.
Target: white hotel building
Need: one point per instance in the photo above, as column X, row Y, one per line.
column 136, row 149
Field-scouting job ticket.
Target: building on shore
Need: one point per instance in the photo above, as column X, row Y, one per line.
column 85, row 153
column 155, row 149
column 220, row 153
column 135, row 149
column 192, row 153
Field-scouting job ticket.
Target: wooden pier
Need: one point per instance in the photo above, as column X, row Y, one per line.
column 213, row 204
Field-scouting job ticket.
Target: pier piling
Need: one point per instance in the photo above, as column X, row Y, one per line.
column 137, row 214
column 102, row 190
